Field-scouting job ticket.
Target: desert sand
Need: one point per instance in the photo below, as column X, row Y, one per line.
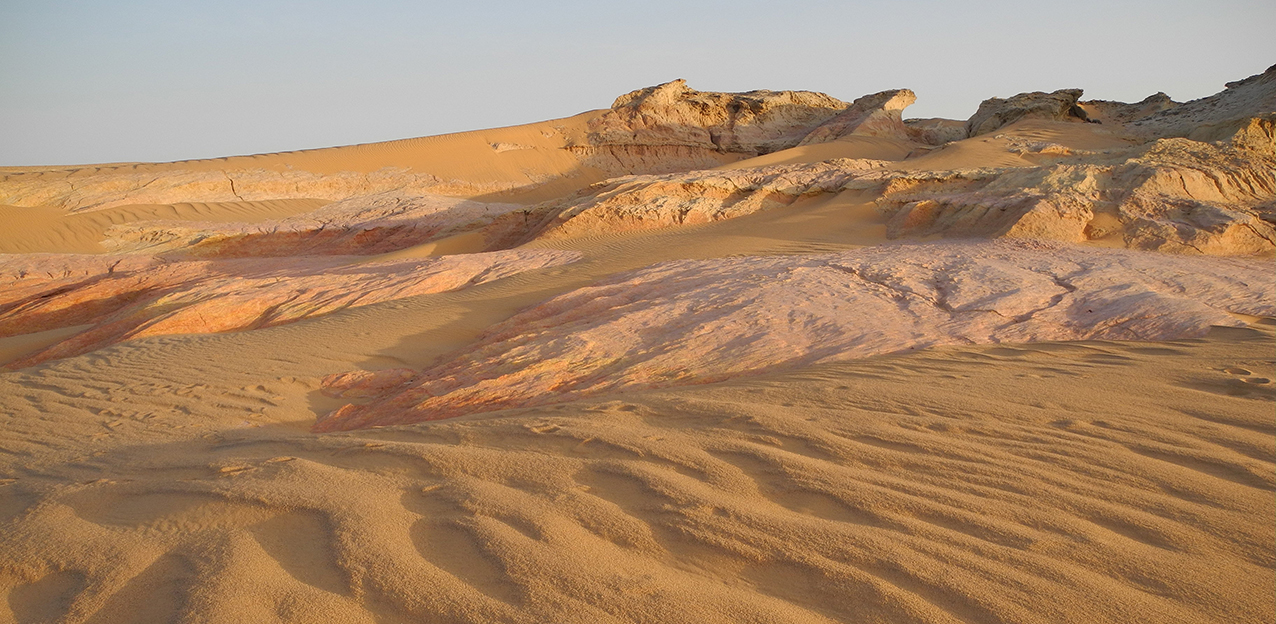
column 700, row 357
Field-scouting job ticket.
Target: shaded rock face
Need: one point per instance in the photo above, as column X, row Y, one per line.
column 935, row 131
column 873, row 115
column 674, row 115
column 1216, row 117
column 688, row 322
column 1109, row 112
column 126, row 297
column 994, row 113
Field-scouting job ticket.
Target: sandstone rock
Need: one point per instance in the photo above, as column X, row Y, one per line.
column 688, row 322
column 1172, row 195
column 935, row 131
column 1217, row 117
column 994, row 113
column 875, row 115
column 673, row 114
column 1119, row 113
column 134, row 297
column 647, row 202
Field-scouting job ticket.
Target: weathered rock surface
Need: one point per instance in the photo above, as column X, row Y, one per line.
column 672, row 127
column 994, row 113
column 648, row 202
column 673, row 114
column 1119, row 113
column 687, row 322
column 362, row 225
column 1216, row 117
column 1172, row 195
column 936, row 130
column 125, row 297
column 874, row 115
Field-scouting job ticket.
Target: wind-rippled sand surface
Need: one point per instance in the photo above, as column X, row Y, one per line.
column 1097, row 481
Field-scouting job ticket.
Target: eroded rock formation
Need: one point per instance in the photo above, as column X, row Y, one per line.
column 995, row 113
column 1216, row 117
column 873, row 115
column 687, row 322
column 126, row 297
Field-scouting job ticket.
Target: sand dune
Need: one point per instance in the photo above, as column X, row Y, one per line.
column 157, row 458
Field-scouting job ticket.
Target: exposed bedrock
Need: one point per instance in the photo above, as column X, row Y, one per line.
column 687, row 322
column 671, row 127
column 1215, row 117
column 995, row 113
column 1173, row 195
column 1118, row 113
column 126, row 297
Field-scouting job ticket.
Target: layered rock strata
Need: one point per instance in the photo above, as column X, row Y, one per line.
column 1173, row 195
column 126, row 297
column 686, row 322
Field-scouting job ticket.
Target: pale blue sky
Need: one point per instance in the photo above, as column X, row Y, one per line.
column 85, row 81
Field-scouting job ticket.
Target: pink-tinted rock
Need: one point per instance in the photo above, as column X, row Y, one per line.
column 133, row 297
column 701, row 321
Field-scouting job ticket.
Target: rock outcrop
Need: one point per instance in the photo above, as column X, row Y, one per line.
column 1217, row 117
column 1120, row 113
column 995, row 113
column 672, row 127
column 873, row 115
column 126, row 297
column 1172, row 195
column 936, row 130
column 649, row 202
column 673, row 114
column 688, row 322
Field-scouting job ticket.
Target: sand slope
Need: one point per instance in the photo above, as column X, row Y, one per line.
column 1104, row 482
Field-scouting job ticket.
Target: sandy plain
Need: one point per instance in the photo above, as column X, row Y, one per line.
column 176, row 477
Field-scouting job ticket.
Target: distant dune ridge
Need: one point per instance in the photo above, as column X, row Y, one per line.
column 700, row 357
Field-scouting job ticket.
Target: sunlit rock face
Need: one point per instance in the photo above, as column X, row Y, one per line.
column 126, row 297
column 687, row 322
